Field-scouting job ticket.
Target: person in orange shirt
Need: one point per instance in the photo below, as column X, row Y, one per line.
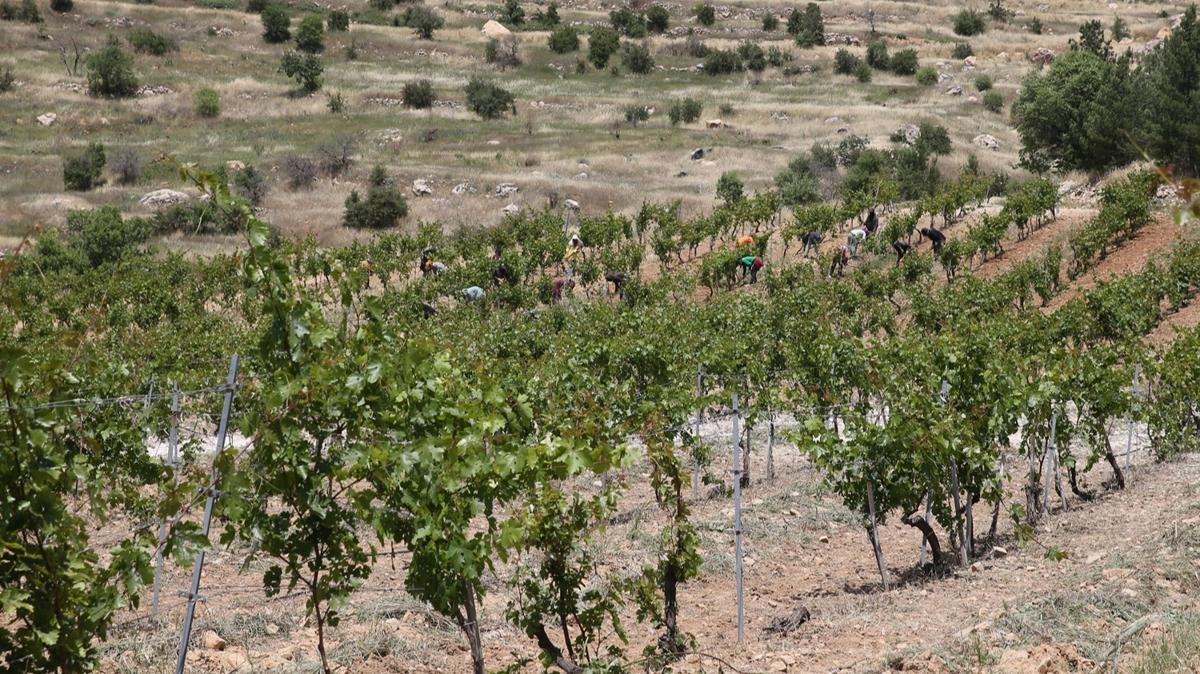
column 745, row 240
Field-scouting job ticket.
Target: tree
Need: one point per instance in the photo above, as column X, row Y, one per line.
column 1077, row 115
column 513, row 15
column 752, row 56
column 110, row 72
column 310, row 34
column 968, row 22
column 383, row 208
column 686, row 110
column 1120, row 29
column 603, row 42
column 276, row 24
column 730, row 188
column 658, row 19
column 62, row 6
column 423, row 20
column 418, row 94
column 809, row 27
column 844, row 62
column 1170, row 82
column 504, row 52
column 1091, row 38
column 905, row 62
column 628, row 22
column 705, row 14
column 797, row 184
column 306, row 69
column 564, row 40
column 487, row 99
column 877, row 55
column 339, row 21
column 82, row 172
column 637, row 59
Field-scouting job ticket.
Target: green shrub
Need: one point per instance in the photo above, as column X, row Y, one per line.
column 797, row 184
column 7, row 80
column 207, row 102
column 1034, row 26
column 637, row 59
column 844, row 62
column 705, row 14
column 338, row 21
column 628, row 22
column 1120, row 29
column 335, row 103
column 983, row 82
column 27, row 12
column 418, row 94
column 310, row 34
column 877, row 55
column 110, row 72
column 256, row 6
column 276, row 24
column 251, row 185
column 603, row 42
column 564, row 40
column 905, row 62
column 730, row 188
column 770, row 23
column 547, row 20
column 488, row 99
column 62, row 6
column 146, row 41
column 306, row 69
column 776, row 57
column 383, row 207
column 636, row 113
column 927, row 75
column 969, row 22
column 722, row 62
column 513, row 14
column 83, row 171
column 993, row 101
column 752, row 56
column 726, row 110
column 808, row 27
column 423, row 20
column 102, row 236
column 961, row 50
column 862, row 72
column 658, row 19
column 686, row 110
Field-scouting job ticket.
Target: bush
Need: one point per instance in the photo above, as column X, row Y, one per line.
column 505, row 52
column 969, row 22
column 726, row 110
column 877, row 55
column 62, row 6
column 82, row 172
column 705, row 14
column 961, row 51
column 905, row 62
column 146, row 41
column 28, row 12
column 338, row 21
column 844, row 62
column 927, row 75
column 808, row 27
column 776, row 57
column 256, row 6
column 207, row 102
column 1034, row 26
column 722, row 62
column 862, row 72
column 335, row 157
column 7, row 80
column 797, row 184
column 423, row 20
column 102, row 236
column 730, row 188
column 310, row 34
column 628, row 22
column 488, row 99
column 250, row 185
column 687, row 111
column 299, row 172
column 384, row 207
column 1120, row 29
column 658, row 19
column 564, row 40
column 752, row 56
column 381, row 5
column 126, row 165
column 983, row 82
column 418, row 94
column 993, row 101
column 306, row 69
column 636, row 113
column 637, row 59
column 602, row 44
column 336, row 103
column 110, row 72
column 276, row 24
column 770, row 23
column 548, row 19
column 513, row 14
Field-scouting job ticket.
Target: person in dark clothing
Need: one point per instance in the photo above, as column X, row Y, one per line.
column 502, row 273
column 901, row 248
column 559, row 285
column 428, row 309
column 810, row 241
column 935, row 237
column 617, row 278
column 872, row 223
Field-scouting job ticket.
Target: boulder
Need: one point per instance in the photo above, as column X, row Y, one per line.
column 582, row 175
column 955, row 90
column 463, row 188
column 986, row 141
column 571, row 204
column 511, row 209
column 421, row 188
column 212, row 641
column 714, row 124
column 910, row 132
column 506, row 189
column 495, row 30
column 1042, row 56
column 969, row 63
column 163, row 198
column 972, row 99
column 234, row 165
column 47, row 119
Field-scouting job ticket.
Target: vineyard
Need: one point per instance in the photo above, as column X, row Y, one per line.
column 382, row 433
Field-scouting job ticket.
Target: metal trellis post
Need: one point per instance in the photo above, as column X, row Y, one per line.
column 185, row 634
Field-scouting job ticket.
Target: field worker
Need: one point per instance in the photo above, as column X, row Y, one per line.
column 425, row 265
column 559, row 285
column 936, row 237
column 750, row 265
column 502, row 273
column 428, row 309
column 840, row 257
column 901, row 248
column 745, row 240
column 810, row 241
column 617, row 278
column 474, row 293
column 856, row 236
column 872, row 222
column 574, row 248
column 437, row 267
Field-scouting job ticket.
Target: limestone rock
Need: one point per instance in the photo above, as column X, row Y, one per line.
column 421, row 188
column 163, row 198
column 511, row 209
column 463, row 188
column 47, row 119
column 495, row 30
column 986, row 140
column 506, row 189
column 212, row 641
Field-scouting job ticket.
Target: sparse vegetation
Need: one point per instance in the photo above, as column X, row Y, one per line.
column 126, row 165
